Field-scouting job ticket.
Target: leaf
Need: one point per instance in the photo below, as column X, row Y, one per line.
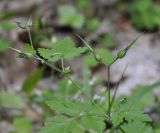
column 93, row 123
column 145, row 14
column 90, row 60
column 107, row 57
column 140, row 93
column 27, row 48
column 59, row 124
column 22, row 125
column 32, row 80
column 11, row 100
column 139, row 127
column 68, row 107
column 69, row 16
column 4, row 43
column 129, row 110
column 62, row 49
column 6, row 25
column 118, row 117
column 137, row 95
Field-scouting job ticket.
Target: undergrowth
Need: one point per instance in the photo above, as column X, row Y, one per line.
column 75, row 107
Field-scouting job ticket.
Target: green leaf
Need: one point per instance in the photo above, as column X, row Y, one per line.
column 68, row 107
column 32, row 80
column 108, row 40
column 106, row 55
column 4, row 43
column 137, row 127
column 69, row 16
column 93, row 123
column 27, row 48
column 62, row 49
column 118, row 117
column 11, row 100
column 59, row 124
column 90, row 60
column 145, row 14
column 22, row 125
column 137, row 95
column 92, row 24
column 140, row 93
column 129, row 110
column 6, row 25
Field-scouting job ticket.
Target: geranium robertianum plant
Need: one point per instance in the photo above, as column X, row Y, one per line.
column 84, row 113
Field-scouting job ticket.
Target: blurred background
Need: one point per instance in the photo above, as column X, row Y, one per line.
column 110, row 24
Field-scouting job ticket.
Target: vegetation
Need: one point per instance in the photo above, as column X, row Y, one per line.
column 86, row 104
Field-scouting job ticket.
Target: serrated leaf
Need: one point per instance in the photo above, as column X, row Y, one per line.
column 106, row 55
column 11, row 100
column 27, row 48
column 137, row 127
column 59, row 124
column 62, row 49
column 22, row 125
column 69, row 16
column 75, row 52
column 93, row 123
column 118, row 117
column 32, row 80
column 140, row 93
column 68, row 107
column 132, row 101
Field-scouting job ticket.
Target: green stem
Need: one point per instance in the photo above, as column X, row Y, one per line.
column 68, row 77
column 117, row 86
column 109, row 92
column 62, row 64
column 121, row 130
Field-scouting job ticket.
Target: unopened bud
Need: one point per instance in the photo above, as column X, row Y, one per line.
column 121, row 54
column 67, row 70
column 98, row 57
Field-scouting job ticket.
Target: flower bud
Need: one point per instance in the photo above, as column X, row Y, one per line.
column 67, row 70
column 121, row 54
column 98, row 58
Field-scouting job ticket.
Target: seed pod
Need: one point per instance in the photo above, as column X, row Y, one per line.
column 121, row 54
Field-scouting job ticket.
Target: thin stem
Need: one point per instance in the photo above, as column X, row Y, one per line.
column 121, row 130
column 109, row 92
column 76, row 85
column 117, row 86
column 68, row 77
column 30, row 38
column 113, row 61
column 62, row 64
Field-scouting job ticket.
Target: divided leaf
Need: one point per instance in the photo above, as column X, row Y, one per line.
column 106, row 55
column 62, row 49
column 68, row 107
column 118, row 117
column 93, row 123
column 137, row 127
column 59, row 124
